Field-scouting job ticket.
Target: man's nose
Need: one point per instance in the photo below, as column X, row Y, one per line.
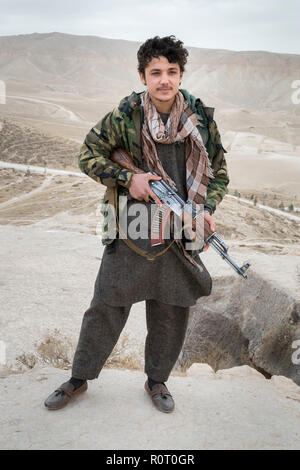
column 164, row 79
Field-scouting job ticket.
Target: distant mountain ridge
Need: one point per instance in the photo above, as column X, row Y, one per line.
column 95, row 66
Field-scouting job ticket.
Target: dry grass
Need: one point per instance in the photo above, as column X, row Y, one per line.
column 58, row 350
column 122, row 357
column 55, row 350
column 27, row 359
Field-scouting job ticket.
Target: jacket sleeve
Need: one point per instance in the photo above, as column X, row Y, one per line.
column 94, row 158
column 217, row 188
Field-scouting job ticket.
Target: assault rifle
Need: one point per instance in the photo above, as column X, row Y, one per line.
column 174, row 203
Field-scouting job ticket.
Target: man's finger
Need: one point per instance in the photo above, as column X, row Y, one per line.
column 153, row 177
column 211, row 221
column 151, row 193
column 155, row 198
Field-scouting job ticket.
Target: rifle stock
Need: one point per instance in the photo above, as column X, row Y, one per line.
column 123, row 159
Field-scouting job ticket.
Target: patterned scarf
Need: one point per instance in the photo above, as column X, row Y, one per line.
column 181, row 125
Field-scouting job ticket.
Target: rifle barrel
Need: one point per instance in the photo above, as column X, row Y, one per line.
column 240, row 270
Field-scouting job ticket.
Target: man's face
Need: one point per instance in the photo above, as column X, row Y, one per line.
column 162, row 79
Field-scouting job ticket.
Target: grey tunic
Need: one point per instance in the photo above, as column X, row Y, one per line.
column 126, row 277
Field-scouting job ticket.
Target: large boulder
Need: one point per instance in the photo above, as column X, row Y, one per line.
column 254, row 322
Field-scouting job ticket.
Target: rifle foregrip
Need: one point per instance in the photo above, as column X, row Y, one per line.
column 124, row 160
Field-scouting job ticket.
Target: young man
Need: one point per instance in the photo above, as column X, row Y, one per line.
column 165, row 130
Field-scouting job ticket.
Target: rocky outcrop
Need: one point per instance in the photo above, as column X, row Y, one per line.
column 254, row 322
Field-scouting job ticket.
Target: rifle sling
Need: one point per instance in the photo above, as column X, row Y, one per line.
column 139, row 251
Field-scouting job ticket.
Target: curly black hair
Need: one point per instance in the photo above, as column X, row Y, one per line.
column 168, row 47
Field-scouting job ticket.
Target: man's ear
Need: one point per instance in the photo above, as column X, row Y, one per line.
column 142, row 78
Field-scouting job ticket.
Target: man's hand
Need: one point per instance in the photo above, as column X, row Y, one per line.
column 212, row 225
column 140, row 189
column 191, row 225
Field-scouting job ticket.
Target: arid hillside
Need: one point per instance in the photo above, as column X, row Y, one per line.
column 23, row 144
column 94, row 66
column 59, row 85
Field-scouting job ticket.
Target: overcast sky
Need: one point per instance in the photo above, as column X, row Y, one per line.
column 269, row 25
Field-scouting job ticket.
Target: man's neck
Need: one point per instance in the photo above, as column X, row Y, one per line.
column 163, row 106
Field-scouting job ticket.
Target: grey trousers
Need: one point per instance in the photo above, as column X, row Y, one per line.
column 102, row 325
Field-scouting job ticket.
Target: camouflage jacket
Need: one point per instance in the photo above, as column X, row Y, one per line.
column 122, row 128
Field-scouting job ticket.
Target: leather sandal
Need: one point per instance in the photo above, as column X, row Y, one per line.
column 61, row 397
column 161, row 397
